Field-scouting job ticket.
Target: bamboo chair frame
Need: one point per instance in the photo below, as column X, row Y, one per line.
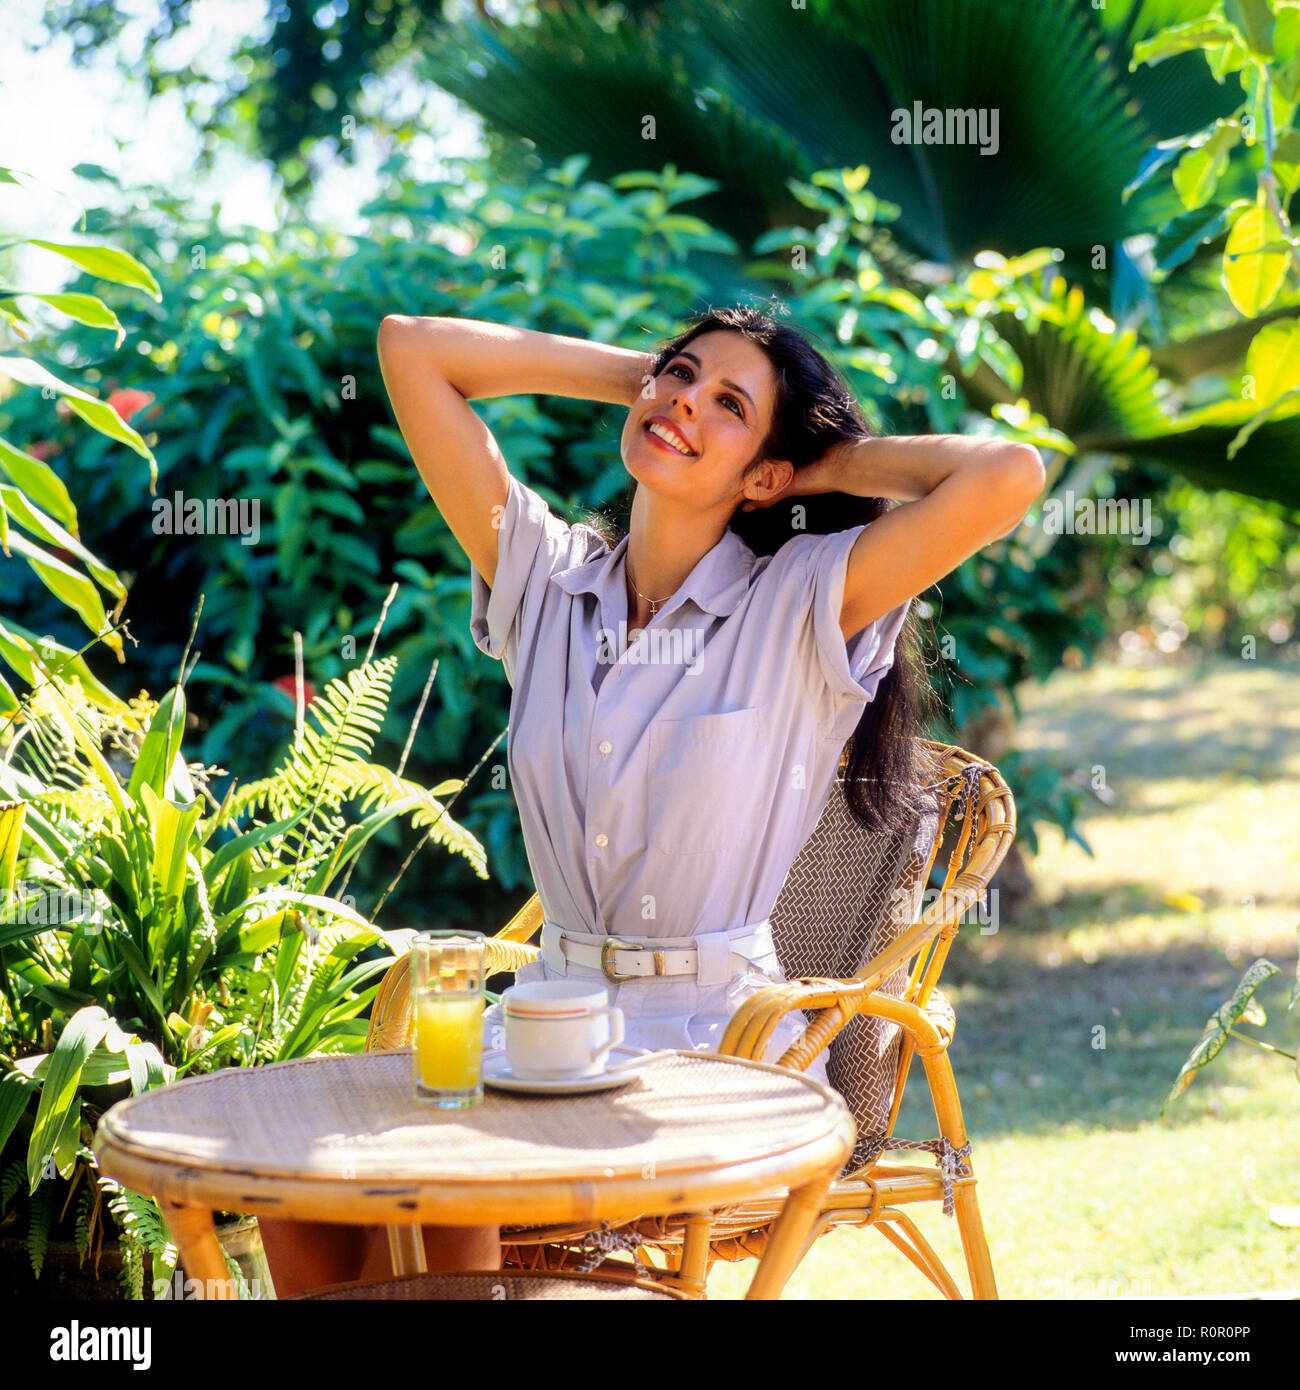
column 876, row 1193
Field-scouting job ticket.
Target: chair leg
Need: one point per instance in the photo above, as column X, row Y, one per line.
column 918, row 1250
column 947, row 1110
column 974, row 1244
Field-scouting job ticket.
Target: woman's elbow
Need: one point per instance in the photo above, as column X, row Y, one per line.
column 1023, row 477
column 1025, row 471
column 393, row 329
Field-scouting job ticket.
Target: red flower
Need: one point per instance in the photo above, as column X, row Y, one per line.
column 127, row 401
column 43, row 449
column 289, row 685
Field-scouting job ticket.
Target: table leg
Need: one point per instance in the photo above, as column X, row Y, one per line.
column 693, row 1267
column 789, row 1237
column 200, row 1250
column 406, row 1246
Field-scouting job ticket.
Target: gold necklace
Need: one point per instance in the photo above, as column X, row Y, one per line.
column 655, row 604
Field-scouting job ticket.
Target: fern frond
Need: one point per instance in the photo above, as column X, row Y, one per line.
column 141, row 1228
column 340, row 727
column 15, row 1176
column 85, row 1210
column 38, row 1227
column 374, row 786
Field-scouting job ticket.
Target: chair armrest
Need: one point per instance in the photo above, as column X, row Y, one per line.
column 754, row 1022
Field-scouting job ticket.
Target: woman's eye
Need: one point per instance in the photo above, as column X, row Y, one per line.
column 677, row 369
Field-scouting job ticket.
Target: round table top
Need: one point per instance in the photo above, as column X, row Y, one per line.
column 342, row 1137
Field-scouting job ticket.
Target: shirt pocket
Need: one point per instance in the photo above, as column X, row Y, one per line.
column 700, row 787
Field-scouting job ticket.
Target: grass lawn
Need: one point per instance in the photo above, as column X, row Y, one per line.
column 1085, row 1192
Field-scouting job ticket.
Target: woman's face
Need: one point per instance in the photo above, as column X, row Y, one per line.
column 716, row 397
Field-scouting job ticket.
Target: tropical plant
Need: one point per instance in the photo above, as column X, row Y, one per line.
column 1240, row 1007
column 137, row 947
column 35, row 499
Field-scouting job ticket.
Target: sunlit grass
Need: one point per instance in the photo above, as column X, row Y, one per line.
column 1085, row 1192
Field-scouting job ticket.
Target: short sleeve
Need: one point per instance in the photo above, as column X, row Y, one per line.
column 854, row 669
column 532, row 544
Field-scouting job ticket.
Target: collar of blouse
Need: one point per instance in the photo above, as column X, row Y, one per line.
column 716, row 584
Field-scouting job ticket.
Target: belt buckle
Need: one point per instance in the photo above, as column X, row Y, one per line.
column 607, row 949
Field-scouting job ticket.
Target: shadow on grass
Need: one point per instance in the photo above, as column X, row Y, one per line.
column 1040, row 1049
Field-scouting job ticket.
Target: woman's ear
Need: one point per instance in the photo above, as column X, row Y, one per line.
column 768, row 483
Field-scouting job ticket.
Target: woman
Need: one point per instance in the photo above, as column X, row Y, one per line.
column 681, row 697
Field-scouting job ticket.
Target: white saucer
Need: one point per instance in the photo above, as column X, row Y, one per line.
column 497, row 1073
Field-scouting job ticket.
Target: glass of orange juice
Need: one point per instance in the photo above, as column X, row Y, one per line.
column 447, row 980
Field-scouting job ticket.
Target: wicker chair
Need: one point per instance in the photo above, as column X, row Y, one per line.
column 863, row 962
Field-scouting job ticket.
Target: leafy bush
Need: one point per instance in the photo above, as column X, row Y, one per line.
column 261, row 361
column 143, row 939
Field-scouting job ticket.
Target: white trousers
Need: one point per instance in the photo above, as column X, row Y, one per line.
column 677, row 1011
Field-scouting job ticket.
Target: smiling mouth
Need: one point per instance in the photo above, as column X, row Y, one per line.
column 667, row 444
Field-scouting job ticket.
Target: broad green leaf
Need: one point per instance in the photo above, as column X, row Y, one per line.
column 15, row 1091
column 81, row 1034
column 97, row 414
column 1179, row 38
column 1252, row 276
column 1286, row 162
column 107, row 263
column 247, row 842
column 12, row 816
column 1253, row 20
column 19, row 648
column 1215, row 1033
column 161, row 745
column 1177, row 241
column 1198, row 172
column 172, row 826
column 39, row 524
column 85, row 308
column 1273, row 360
column 76, row 590
column 39, row 482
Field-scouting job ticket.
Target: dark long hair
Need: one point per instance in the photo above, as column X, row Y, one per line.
column 815, row 408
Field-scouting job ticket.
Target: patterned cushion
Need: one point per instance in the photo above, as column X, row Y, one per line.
column 849, row 894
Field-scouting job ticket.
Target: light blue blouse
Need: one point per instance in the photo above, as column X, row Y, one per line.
column 666, row 787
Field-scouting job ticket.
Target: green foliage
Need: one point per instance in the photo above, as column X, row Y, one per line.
column 143, row 1231
column 1240, row 1007
column 35, row 498
column 179, row 954
column 1258, row 42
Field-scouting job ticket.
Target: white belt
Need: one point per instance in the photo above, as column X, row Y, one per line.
column 711, row 958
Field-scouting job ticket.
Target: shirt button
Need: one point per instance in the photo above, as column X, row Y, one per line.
column 606, row 749
column 602, row 841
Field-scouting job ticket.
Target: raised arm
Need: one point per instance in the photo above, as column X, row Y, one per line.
column 433, row 368
column 962, row 494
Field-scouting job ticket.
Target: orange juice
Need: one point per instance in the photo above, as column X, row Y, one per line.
column 449, row 1040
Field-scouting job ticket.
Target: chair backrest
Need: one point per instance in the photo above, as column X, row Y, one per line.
column 852, row 892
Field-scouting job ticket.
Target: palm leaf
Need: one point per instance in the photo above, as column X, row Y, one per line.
column 818, row 86
column 1099, row 387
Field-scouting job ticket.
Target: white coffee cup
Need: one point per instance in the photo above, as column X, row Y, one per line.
column 559, row 1029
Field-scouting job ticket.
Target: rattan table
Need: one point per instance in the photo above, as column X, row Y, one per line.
column 341, row 1138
